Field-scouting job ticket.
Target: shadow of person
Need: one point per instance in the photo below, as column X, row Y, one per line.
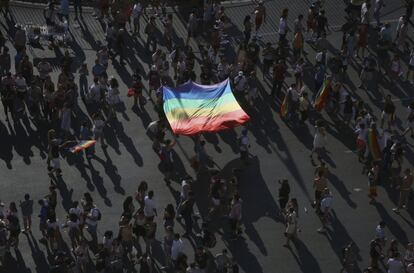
column 142, row 114
column 112, row 171
column 304, row 258
column 393, row 226
column 341, row 188
column 128, row 143
column 64, row 193
column 244, row 258
column 37, row 255
column 253, row 190
column 338, row 237
column 97, row 180
column 15, row 264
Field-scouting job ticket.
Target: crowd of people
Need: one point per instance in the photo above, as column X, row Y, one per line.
column 28, row 92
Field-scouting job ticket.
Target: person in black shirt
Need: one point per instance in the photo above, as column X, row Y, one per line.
column 253, row 50
column 388, row 113
column 205, row 76
column 284, row 192
column 348, row 109
column 321, row 23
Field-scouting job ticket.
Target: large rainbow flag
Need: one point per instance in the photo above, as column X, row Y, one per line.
column 192, row 108
column 322, row 96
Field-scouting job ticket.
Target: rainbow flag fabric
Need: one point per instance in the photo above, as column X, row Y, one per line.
column 82, row 145
column 322, row 96
column 373, row 145
column 284, row 108
column 192, row 108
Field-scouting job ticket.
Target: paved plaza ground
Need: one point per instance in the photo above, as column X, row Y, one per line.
column 278, row 151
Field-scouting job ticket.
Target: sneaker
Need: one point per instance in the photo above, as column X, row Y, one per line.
column 321, row 230
column 396, row 210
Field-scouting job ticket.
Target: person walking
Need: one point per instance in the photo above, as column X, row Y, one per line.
column 91, row 222
column 325, row 208
column 319, row 141
column 235, row 215
column 97, row 128
column 410, row 120
column 405, row 189
column 27, row 211
column 150, row 208
column 291, row 226
column 284, row 191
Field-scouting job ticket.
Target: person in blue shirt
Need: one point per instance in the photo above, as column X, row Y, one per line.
column 64, row 10
column 43, row 216
column 98, row 70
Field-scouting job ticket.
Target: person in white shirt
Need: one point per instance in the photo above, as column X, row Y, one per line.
column 97, row 129
column 325, row 208
column 136, row 14
column 380, row 232
column 91, row 221
column 177, row 248
column 293, row 99
column 283, row 29
column 365, row 13
column 185, row 189
column 395, row 265
column 150, row 208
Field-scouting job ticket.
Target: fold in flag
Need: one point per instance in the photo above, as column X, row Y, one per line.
column 192, row 108
column 82, row 145
column 373, row 144
column 322, row 96
column 284, row 108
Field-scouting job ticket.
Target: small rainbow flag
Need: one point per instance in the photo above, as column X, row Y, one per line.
column 82, row 145
column 373, row 144
column 192, row 108
column 322, row 95
column 284, row 108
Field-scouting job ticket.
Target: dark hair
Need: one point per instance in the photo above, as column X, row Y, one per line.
column 88, row 197
column 26, row 196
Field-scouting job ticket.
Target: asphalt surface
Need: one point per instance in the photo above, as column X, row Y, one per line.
column 278, row 151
